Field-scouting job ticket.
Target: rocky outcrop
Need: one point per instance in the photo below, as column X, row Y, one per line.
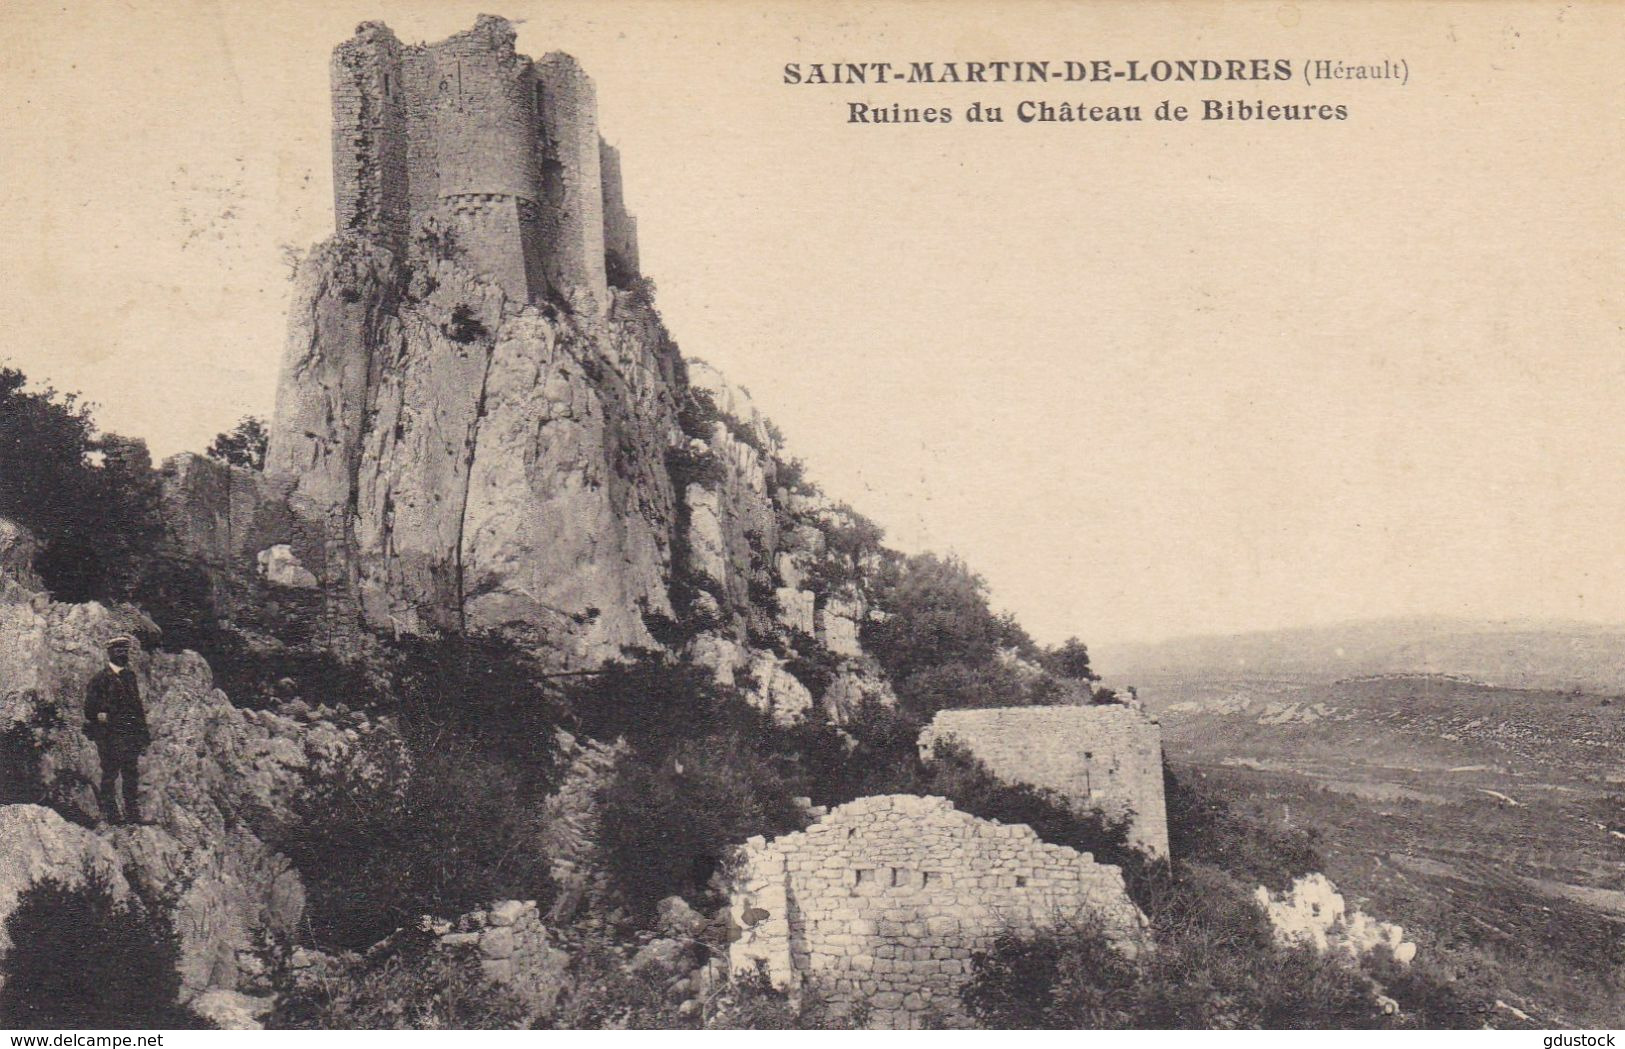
column 39, row 844
column 1313, row 913
column 215, row 783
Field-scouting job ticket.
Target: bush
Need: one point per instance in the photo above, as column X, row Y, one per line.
column 1069, row 660
column 22, row 753
column 954, row 685
column 1205, row 829
column 697, row 414
column 466, row 832
column 670, row 817
column 751, row 1002
column 648, row 696
column 603, row 993
column 1213, row 965
column 80, row 958
column 812, row 664
column 478, row 722
column 412, row 984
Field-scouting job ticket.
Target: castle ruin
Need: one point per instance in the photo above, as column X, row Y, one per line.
column 885, row 900
column 500, row 151
column 1106, row 758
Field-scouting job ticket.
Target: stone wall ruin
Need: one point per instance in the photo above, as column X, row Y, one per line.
column 515, row 951
column 885, row 899
column 1105, row 757
column 500, row 151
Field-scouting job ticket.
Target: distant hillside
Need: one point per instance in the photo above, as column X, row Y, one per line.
column 1558, row 655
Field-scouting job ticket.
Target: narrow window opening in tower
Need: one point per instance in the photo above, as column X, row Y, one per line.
column 386, row 85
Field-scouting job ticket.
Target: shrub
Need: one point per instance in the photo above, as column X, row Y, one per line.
column 1205, row 829
column 412, row 984
column 687, row 467
column 466, row 832
column 22, row 752
column 751, row 1002
column 477, row 721
column 954, row 685
column 80, row 958
column 1069, row 660
column 697, row 414
column 670, row 817
column 812, row 664
column 465, row 325
column 647, row 696
column 1213, row 965
column 603, row 993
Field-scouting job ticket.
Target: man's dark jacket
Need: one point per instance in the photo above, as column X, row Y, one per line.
column 119, row 697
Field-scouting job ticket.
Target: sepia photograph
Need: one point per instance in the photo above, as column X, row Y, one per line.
column 677, row 515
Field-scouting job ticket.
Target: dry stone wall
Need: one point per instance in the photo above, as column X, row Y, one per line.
column 1105, row 757
column 515, row 951
column 884, row 901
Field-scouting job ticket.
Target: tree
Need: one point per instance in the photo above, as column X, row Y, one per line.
column 96, row 523
column 244, row 445
column 1069, row 660
column 936, row 614
column 46, row 438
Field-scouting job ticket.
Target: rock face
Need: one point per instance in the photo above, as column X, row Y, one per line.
column 885, row 899
column 215, row 780
column 471, row 463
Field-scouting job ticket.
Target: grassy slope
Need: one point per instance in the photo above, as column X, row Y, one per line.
column 1397, row 775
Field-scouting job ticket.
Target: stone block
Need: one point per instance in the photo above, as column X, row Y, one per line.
column 497, row 942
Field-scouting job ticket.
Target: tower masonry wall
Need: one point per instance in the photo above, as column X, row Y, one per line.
column 501, row 151
column 369, row 135
column 885, row 900
column 1105, row 757
column 620, row 228
column 572, row 179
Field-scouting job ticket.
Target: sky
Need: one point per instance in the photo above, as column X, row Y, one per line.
column 1148, row 379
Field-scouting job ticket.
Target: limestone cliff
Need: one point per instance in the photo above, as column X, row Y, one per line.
column 460, row 461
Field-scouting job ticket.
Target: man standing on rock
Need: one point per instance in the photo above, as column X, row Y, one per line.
column 116, row 722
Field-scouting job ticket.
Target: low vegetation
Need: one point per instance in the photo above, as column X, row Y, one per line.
column 80, row 958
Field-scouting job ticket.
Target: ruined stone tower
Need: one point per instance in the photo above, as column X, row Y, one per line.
column 501, row 151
